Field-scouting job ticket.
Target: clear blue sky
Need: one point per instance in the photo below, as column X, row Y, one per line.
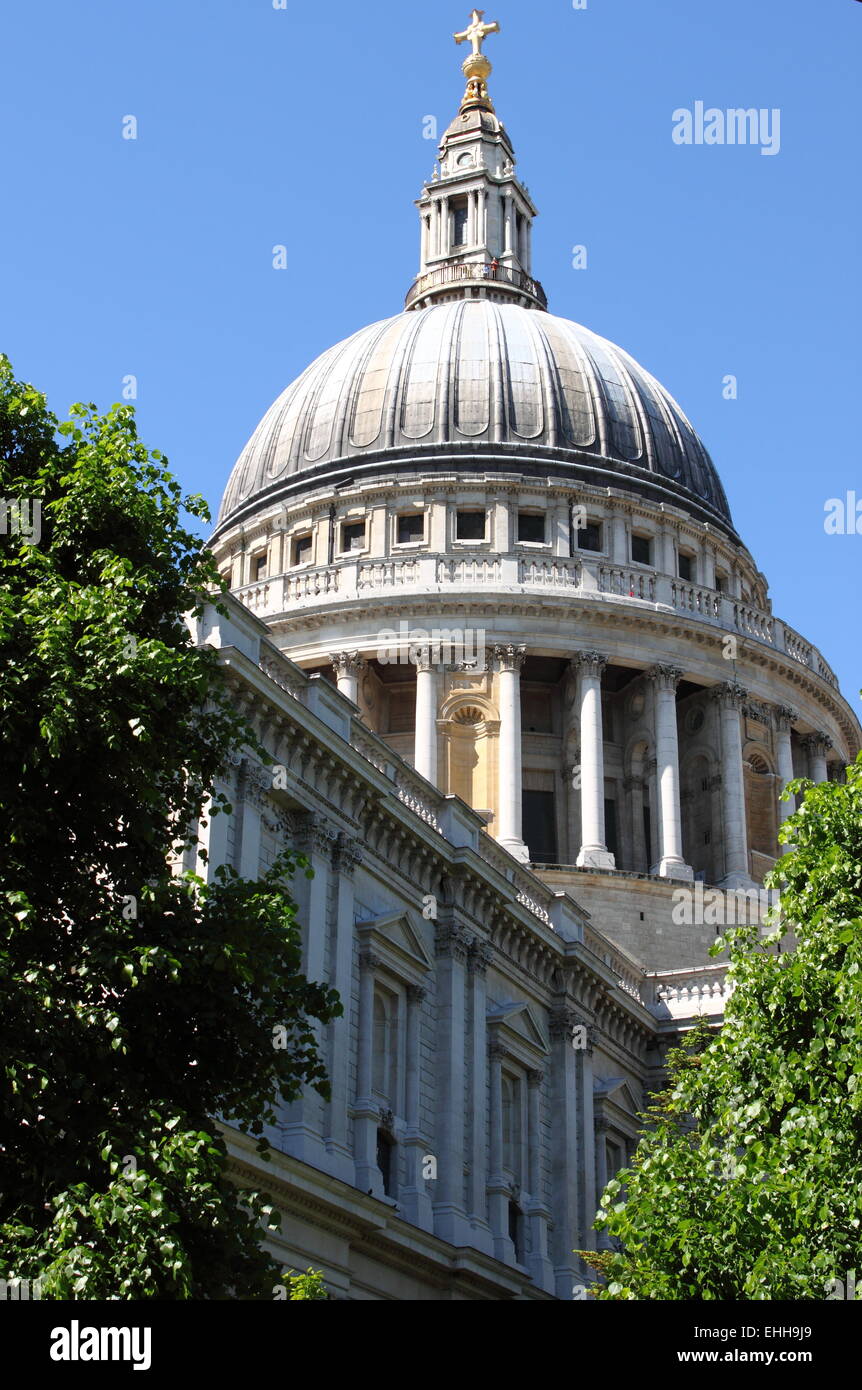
column 304, row 126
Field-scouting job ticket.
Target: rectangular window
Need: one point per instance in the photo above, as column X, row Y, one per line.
column 720, row 584
column 352, row 536
column 302, row 550
column 531, row 527
column 589, row 537
column 410, row 528
column 540, row 826
column 641, row 550
column 685, row 571
column 258, row 567
column 459, row 224
column 470, row 526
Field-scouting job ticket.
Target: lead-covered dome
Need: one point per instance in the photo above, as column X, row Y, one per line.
column 476, row 384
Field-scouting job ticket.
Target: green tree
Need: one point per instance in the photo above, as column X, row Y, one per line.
column 748, row 1181
column 136, row 1004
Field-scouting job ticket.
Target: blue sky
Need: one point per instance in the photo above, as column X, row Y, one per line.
column 303, row 127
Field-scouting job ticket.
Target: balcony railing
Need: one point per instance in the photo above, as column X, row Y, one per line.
column 591, row 580
column 479, row 273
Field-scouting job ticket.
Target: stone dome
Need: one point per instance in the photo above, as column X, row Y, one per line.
column 476, row 384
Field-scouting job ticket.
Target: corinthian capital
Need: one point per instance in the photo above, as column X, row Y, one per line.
column 591, row 664
column 729, row 695
column 664, row 677
column 510, row 658
column 347, row 664
column 784, row 716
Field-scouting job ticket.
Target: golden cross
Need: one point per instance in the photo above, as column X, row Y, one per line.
column 476, row 32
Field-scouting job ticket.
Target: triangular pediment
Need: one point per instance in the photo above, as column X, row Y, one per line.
column 518, row 1028
column 399, row 938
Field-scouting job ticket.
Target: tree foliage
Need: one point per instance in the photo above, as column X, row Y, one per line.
column 748, row 1181
column 136, row 1004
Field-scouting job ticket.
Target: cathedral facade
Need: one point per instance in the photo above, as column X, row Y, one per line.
column 531, row 714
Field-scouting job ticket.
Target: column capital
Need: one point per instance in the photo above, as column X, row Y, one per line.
column 496, row 1051
column 422, row 659
column 510, row 658
column 346, row 855
column 312, row 833
column 480, row 957
column 784, row 716
column 347, row 664
column 817, row 743
column 368, row 961
column 729, row 695
column 416, row 993
column 451, row 940
column 664, row 677
column 535, row 1078
column 590, row 664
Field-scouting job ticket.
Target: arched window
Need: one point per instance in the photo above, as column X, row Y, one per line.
column 385, row 1059
column 516, row 1231
column 511, row 1125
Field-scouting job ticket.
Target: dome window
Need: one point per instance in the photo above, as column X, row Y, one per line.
column 641, row 550
column 410, row 528
column 470, row 526
column 590, row 536
column 302, row 546
column 352, row 536
column 531, row 527
column 258, row 568
column 685, row 567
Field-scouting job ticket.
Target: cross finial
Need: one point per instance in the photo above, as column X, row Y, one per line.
column 476, row 32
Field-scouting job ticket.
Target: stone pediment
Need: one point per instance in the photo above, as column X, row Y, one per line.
column 517, row 1029
column 397, row 937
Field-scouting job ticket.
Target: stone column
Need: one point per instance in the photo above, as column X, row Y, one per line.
column 499, row 1191
column 784, row 718
column 731, row 698
column 480, row 958
column 482, row 237
column 669, row 537
column 594, row 853
column 509, row 239
column 584, row 1120
column 564, row 1149
column 415, row 1198
column 425, row 748
column 451, row 946
column 445, row 229
column 347, row 855
column 619, row 536
column 817, row 746
column 348, row 667
column 601, row 1129
column 708, row 566
column 664, row 680
column 538, row 1214
column 310, row 834
column 634, row 789
column 509, row 800
column 366, row 1112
